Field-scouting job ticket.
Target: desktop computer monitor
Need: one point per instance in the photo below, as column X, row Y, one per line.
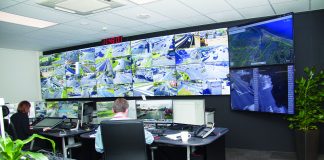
column 155, row 111
column 32, row 113
column 68, row 109
column 104, row 110
column 40, row 109
column 86, row 111
column 188, row 111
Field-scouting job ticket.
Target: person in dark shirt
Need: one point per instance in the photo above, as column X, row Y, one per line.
column 21, row 122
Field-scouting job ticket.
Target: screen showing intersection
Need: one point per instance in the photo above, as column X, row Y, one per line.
column 194, row 63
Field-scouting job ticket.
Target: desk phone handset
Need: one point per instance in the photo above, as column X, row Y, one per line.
column 204, row 131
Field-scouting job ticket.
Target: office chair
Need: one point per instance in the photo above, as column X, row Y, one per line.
column 123, row 140
column 9, row 127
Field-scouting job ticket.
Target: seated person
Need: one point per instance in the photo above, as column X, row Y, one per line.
column 21, row 122
column 120, row 108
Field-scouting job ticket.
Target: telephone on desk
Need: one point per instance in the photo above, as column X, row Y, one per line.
column 203, row 131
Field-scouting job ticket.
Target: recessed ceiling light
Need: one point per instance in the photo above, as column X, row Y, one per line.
column 81, row 7
column 142, row 1
column 143, row 16
column 104, row 28
column 26, row 21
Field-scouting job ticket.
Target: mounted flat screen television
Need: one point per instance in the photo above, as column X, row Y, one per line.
column 262, row 43
column 194, row 63
column 263, row 89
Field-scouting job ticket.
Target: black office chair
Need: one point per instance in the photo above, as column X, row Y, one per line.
column 123, row 140
column 9, row 127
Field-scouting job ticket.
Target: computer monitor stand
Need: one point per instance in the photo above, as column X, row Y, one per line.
column 76, row 128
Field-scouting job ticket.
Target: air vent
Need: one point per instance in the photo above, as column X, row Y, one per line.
column 81, row 7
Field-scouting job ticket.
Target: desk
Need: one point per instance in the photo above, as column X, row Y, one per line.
column 70, row 137
column 215, row 144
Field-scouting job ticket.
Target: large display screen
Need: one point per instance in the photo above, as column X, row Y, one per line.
column 262, row 43
column 194, row 63
column 263, row 89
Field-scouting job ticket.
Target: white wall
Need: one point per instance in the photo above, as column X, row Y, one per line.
column 19, row 75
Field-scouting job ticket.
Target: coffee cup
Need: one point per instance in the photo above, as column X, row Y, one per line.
column 185, row 136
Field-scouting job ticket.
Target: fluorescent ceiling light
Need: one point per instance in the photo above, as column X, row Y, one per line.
column 63, row 9
column 142, row 1
column 26, row 21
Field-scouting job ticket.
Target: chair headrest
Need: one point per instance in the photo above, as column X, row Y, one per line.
column 5, row 111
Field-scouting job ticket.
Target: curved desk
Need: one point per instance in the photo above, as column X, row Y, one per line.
column 215, row 144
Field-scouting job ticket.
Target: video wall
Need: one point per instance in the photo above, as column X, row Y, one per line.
column 262, row 66
column 194, row 63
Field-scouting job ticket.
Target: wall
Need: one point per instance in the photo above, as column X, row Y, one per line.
column 19, row 75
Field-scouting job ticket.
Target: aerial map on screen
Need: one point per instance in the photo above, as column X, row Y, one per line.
column 262, row 43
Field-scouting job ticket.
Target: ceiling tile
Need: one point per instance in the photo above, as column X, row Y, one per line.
column 85, row 23
column 207, row 6
column 260, row 11
column 196, row 21
column 50, row 35
column 247, row 3
column 135, row 11
column 116, row 20
column 170, row 24
column 127, row 32
column 7, row 3
column 291, row 6
column 41, row 12
column 70, row 30
column 148, row 28
column 99, row 36
column 225, row 16
column 15, row 29
column 174, row 9
column 317, row 4
column 281, row 1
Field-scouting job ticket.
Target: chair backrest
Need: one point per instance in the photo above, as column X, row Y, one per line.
column 123, row 140
column 10, row 129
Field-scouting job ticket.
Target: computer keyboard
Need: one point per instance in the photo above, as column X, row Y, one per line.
column 156, row 131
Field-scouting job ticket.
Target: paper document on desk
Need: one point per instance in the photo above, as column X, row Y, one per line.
column 92, row 135
column 174, row 136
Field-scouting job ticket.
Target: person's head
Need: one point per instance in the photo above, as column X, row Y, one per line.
column 120, row 105
column 24, row 107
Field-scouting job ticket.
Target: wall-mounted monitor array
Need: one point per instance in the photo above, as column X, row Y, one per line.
column 262, row 66
column 194, row 63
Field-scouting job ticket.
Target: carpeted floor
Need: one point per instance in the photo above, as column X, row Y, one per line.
column 246, row 154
